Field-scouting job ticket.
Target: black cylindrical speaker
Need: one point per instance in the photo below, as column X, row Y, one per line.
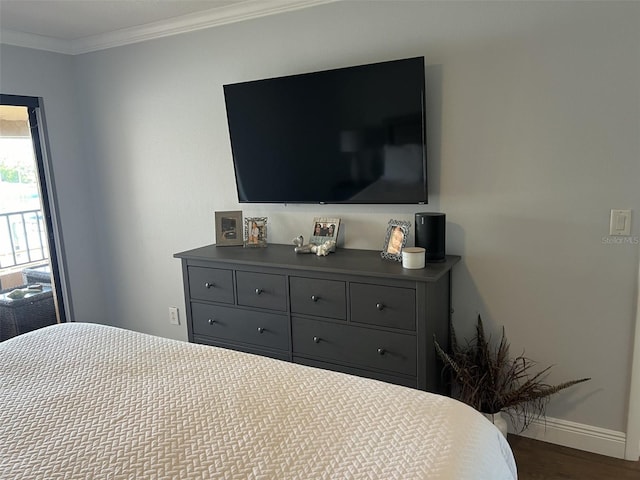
column 430, row 235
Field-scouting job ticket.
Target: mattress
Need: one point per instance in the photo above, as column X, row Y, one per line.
column 86, row 401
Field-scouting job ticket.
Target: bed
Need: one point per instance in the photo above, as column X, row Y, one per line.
column 87, row 401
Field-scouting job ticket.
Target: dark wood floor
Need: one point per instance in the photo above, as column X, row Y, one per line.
column 545, row 461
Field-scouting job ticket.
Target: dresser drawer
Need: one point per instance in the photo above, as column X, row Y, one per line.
column 211, row 284
column 332, row 342
column 323, row 298
column 257, row 328
column 385, row 306
column 262, row 290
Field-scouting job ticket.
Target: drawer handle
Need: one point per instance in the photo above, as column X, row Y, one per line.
column 211, row 321
column 259, row 291
column 209, row 285
column 381, row 351
column 315, row 298
column 260, row 329
column 380, row 306
column 316, row 339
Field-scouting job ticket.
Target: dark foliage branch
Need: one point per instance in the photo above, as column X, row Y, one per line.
column 490, row 381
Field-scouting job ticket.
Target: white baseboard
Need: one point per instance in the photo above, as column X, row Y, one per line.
column 576, row 435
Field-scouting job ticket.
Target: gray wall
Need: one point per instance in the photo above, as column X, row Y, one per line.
column 51, row 76
column 533, row 138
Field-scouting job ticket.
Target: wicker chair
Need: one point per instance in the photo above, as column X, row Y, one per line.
column 21, row 315
column 39, row 274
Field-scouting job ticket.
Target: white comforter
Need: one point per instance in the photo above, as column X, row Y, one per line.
column 83, row 401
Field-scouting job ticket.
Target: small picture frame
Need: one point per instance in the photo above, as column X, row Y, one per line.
column 396, row 240
column 229, row 228
column 324, row 229
column 255, row 232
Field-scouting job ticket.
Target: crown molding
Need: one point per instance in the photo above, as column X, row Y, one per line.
column 238, row 12
column 37, row 42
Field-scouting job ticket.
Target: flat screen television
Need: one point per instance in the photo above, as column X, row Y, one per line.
column 348, row 135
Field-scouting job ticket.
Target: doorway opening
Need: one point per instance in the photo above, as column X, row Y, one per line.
column 30, row 289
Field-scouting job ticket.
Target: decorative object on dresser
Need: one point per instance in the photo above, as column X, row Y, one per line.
column 229, row 228
column 300, row 247
column 255, row 232
column 321, row 250
column 396, row 239
column 430, row 235
column 492, row 382
column 324, row 249
column 349, row 311
column 325, row 230
column 413, row 257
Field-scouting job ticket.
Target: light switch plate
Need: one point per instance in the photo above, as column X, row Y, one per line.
column 620, row 222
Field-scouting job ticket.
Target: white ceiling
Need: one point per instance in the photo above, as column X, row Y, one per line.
column 80, row 26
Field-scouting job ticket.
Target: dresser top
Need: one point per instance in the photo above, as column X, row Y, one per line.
column 342, row 261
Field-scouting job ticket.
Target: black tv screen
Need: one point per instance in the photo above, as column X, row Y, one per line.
column 349, row 135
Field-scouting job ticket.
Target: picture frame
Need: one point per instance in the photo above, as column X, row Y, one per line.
column 395, row 240
column 324, row 229
column 255, row 232
column 229, row 228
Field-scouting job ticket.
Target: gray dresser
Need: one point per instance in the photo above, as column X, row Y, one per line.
column 350, row 311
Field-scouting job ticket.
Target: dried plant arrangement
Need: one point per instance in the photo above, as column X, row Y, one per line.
column 489, row 380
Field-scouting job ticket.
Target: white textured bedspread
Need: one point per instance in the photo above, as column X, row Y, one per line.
column 84, row 401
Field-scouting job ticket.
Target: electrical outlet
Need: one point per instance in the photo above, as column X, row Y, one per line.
column 174, row 318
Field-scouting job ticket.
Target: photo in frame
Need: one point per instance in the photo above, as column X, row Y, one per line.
column 255, row 232
column 229, row 228
column 324, row 229
column 396, row 240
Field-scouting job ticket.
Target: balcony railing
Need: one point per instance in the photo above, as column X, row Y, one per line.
column 22, row 238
